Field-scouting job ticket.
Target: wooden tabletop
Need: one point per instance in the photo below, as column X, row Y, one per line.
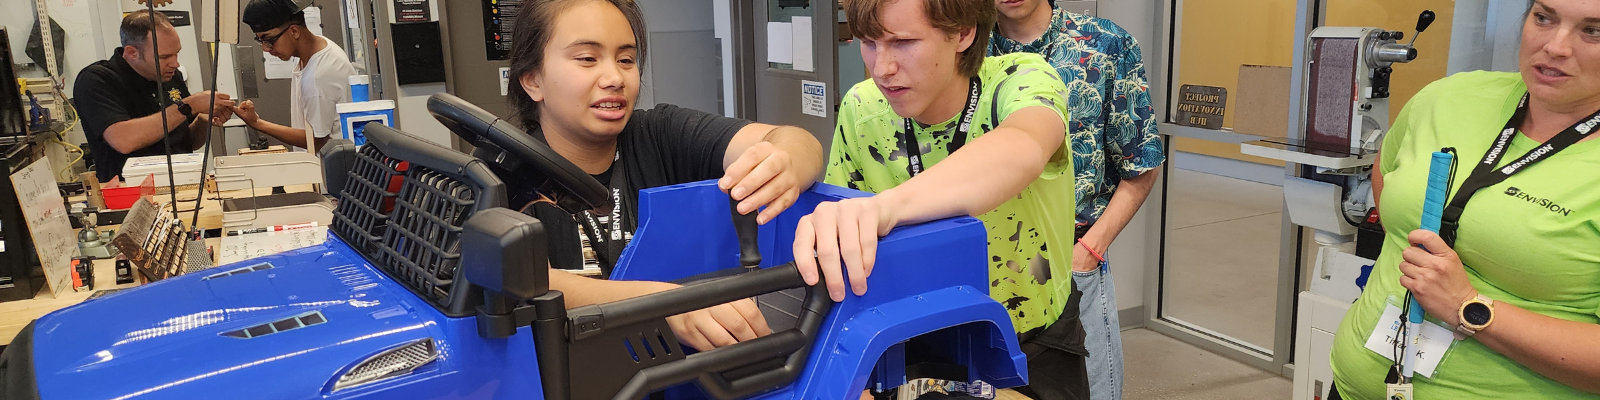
column 1008, row 394
column 210, row 205
column 14, row 315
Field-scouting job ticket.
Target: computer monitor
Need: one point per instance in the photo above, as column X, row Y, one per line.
column 13, row 115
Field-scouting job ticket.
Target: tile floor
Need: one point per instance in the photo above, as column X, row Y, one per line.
column 1158, row 367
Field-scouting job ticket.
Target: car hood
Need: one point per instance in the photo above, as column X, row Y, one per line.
column 282, row 326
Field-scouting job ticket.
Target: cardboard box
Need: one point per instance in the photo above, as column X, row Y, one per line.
column 1262, row 101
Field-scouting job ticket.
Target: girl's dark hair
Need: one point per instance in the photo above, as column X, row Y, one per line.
column 533, row 31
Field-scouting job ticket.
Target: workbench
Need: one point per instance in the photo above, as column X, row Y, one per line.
column 14, row 315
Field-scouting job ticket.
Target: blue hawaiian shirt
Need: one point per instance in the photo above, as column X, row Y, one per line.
column 1113, row 126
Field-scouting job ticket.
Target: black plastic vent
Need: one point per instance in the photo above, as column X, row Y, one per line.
column 237, row 271
column 422, row 246
column 286, row 324
column 368, row 196
column 651, row 344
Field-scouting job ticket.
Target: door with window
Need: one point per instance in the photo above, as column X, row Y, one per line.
column 1231, row 263
column 787, row 71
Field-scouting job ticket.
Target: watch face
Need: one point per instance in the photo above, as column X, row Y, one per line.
column 1476, row 313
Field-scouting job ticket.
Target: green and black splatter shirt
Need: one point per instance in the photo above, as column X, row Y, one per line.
column 1031, row 235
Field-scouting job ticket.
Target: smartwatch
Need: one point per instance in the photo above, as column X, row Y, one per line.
column 1475, row 315
column 186, row 110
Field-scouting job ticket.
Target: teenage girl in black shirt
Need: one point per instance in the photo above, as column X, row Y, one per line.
column 575, row 80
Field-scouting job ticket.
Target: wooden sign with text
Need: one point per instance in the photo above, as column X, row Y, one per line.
column 46, row 217
column 1201, row 106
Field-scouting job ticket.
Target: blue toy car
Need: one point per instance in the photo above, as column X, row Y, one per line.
column 431, row 288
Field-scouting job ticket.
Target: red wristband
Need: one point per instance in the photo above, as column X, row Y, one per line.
column 1091, row 250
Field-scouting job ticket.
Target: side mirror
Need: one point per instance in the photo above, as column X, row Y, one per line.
column 338, row 157
column 503, row 252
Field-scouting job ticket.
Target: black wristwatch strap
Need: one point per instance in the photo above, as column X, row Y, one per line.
column 183, row 108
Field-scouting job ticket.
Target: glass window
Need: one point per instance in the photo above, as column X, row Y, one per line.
column 785, row 11
column 1216, row 38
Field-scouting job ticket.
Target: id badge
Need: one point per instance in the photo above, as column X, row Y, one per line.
column 1398, row 391
column 1429, row 348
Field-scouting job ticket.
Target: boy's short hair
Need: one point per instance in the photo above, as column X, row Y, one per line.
column 950, row 16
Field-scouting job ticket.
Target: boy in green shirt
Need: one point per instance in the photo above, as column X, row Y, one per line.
column 986, row 140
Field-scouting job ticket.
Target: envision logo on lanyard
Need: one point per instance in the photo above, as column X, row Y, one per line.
column 616, row 214
column 1587, row 126
column 1500, row 145
column 1532, row 156
column 972, row 108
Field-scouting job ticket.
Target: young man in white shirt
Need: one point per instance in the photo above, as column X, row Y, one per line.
column 321, row 73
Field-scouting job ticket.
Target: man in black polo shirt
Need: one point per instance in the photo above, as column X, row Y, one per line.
column 117, row 101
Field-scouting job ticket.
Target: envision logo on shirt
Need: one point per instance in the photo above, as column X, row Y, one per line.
column 1541, row 202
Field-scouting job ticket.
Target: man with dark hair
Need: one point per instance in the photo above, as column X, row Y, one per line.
column 940, row 131
column 116, row 98
column 1115, row 151
column 321, row 74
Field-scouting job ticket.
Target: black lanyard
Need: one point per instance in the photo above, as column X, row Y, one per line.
column 608, row 241
column 914, row 149
column 1486, row 174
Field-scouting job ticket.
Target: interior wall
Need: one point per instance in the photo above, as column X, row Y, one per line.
column 1486, row 35
column 74, row 17
column 83, row 39
column 683, row 53
column 722, row 24
column 1134, row 252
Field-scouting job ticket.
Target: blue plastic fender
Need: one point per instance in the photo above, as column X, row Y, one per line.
column 927, row 277
column 990, row 353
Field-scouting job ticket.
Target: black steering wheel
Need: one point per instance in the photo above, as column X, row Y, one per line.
column 527, row 165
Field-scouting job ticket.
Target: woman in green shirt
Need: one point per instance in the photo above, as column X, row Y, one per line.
column 1520, row 285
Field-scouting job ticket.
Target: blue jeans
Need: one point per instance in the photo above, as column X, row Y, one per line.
column 1103, row 332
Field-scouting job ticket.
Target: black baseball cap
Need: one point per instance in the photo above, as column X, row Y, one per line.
column 264, row 15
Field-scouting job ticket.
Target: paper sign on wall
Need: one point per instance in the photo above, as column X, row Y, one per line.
column 800, row 34
column 352, row 13
column 505, row 81
column 780, row 43
column 314, row 19
column 275, row 68
column 412, row 11
column 814, row 98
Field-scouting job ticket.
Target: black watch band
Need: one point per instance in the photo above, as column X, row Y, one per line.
column 186, row 110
